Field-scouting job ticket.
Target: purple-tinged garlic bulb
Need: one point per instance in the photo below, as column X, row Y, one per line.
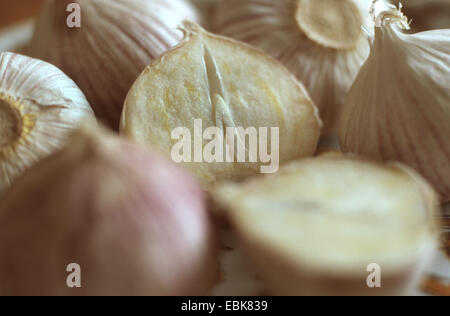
column 133, row 222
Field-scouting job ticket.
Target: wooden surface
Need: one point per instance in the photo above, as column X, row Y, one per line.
column 13, row 11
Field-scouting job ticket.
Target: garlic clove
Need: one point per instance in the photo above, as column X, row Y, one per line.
column 39, row 107
column 315, row 227
column 134, row 223
column 320, row 41
column 399, row 106
column 225, row 84
column 116, row 41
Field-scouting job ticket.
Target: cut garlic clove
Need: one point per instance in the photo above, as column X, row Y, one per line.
column 399, row 106
column 320, row 41
column 39, row 107
column 134, row 223
column 116, row 41
column 225, row 84
column 316, row 226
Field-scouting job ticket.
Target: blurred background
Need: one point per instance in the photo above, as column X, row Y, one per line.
column 18, row 10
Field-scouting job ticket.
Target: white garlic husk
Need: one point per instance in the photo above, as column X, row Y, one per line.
column 133, row 222
column 321, row 41
column 39, row 107
column 399, row 105
column 116, row 41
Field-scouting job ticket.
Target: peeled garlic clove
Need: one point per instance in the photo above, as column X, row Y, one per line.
column 399, row 105
column 39, row 107
column 316, row 226
column 116, row 41
column 320, row 41
column 134, row 223
column 223, row 84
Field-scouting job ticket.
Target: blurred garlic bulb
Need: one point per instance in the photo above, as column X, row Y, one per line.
column 399, row 105
column 39, row 106
column 116, row 41
column 135, row 224
column 315, row 226
column 320, row 41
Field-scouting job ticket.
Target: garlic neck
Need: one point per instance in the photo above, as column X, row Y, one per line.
column 391, row 15
column 11, row 124
column 335, row 24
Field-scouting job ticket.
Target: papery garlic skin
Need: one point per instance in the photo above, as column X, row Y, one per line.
column 39, row 107
column 399, row 105
column 325, row 59
column 135, row 223
column 116, row 41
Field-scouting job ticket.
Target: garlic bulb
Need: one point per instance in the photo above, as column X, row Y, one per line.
column 210, row 83
column 116, row 41
column 399, row 105
column 317, row 226
column 39, row 107
column 320, row 41
column 134, row 223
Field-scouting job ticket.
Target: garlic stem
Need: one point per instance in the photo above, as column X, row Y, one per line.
column 391, row 15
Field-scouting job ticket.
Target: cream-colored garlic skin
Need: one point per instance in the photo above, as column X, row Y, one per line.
column 399, row 105
column 135, row 223
column 39, row 107
column 320, row 41
column 116, row 41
